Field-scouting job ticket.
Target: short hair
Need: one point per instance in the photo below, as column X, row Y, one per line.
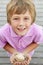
column 20, row 7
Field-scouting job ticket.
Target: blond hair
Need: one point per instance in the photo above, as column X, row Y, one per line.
column 20, row 7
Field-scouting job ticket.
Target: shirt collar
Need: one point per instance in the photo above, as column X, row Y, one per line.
column 30, row 32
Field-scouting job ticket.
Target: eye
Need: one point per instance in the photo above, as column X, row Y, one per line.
column 26, row 18
column 16, row 19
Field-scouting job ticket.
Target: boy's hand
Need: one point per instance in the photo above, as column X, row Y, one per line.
column 16, row 61
column 27, row 58
column 20, row 63
column 26, row 61
column 13, row 56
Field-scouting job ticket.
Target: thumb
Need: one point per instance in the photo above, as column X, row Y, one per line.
column 11, row 59
column 29, row 57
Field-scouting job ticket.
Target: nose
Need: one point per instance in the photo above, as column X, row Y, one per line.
column 21, row 23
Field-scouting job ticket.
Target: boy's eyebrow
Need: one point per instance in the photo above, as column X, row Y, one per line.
column 22, row 15
column 16, row 16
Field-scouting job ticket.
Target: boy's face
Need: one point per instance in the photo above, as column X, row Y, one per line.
column 21, row 23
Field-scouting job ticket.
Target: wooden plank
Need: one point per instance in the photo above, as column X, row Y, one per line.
column 3, row 54
column 35, row 64
column 37, row 60
column 39, row 49
column 34, row 60
column 4, row 60
column 5, row 64
column 38, row 55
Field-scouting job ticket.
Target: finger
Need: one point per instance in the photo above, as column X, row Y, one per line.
column 26, row 62
column 15, row 63
column 14, row 60
column 26, row 58
column 11, row 61
column 29, row 57
column 20, row 63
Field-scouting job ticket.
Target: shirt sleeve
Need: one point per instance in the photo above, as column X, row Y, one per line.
column 2, row 40
column 39, row 35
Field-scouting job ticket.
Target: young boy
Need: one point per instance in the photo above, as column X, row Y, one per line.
column 20, row 34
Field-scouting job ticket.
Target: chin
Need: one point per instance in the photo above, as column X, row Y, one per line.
column 21, row 34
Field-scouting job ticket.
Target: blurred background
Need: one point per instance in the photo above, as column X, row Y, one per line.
column 37, row 58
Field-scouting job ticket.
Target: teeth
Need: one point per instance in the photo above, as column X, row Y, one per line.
column 21, row 29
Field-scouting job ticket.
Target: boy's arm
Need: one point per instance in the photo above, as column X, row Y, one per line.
column 9, row 48
column 30, row 47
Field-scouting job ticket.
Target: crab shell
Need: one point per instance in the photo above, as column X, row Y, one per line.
column 20, row 57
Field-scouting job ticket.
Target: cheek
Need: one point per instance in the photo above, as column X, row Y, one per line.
column 14, row 24
column 27, row 24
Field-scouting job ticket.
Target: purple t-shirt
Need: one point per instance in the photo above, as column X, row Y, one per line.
column 35, row 34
